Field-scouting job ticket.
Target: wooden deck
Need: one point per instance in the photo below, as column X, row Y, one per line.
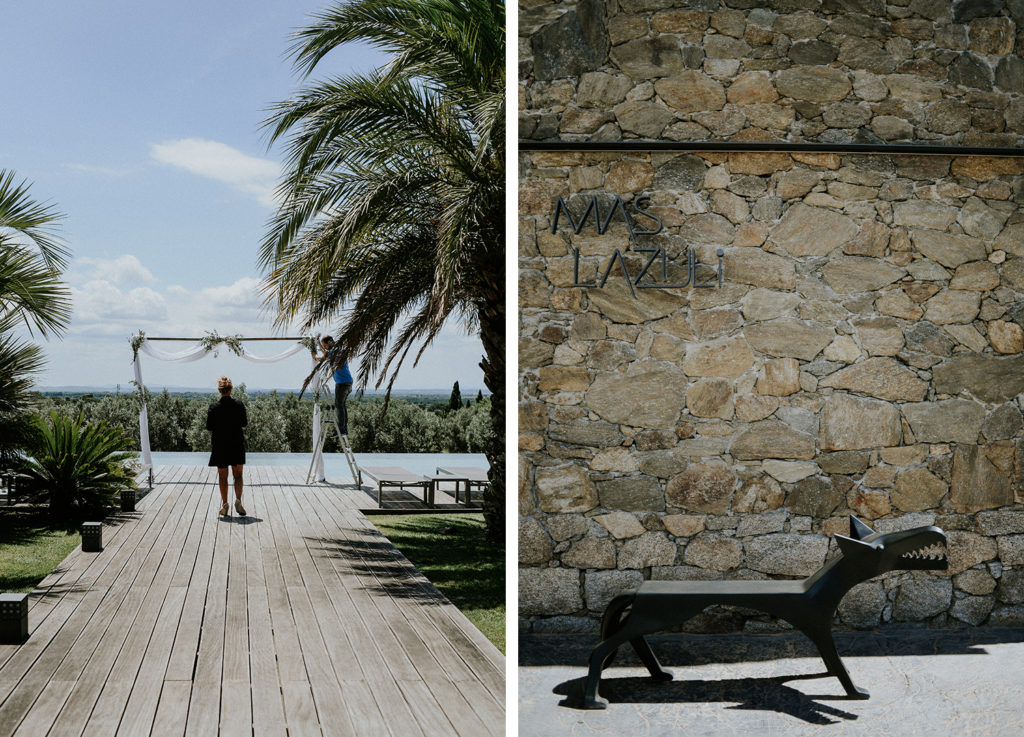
column 300, row 619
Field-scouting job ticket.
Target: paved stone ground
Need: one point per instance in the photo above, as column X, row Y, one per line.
column 922, row 682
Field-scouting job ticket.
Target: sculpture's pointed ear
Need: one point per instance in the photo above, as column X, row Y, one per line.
column 859, row 530
column 850, row 547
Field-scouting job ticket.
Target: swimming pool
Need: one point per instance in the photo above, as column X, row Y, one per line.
column 335, row 465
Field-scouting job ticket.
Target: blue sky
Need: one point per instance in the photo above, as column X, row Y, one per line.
column 141, row 122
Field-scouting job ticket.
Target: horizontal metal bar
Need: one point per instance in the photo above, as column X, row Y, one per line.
column 917, row 149
column 198, row 339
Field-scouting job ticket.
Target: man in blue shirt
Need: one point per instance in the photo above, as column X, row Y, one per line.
column 342, row 380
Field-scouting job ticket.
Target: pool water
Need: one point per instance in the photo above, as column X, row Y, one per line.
column 335, row 465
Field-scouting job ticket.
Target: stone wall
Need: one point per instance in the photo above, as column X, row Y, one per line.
column 863, row 354
column 848, row 70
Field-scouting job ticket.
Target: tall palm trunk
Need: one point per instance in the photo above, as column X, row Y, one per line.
column 491, row 312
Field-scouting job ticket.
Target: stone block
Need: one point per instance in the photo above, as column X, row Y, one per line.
column 949, row 420
column 590, row 553
column 565, row 488
column 714, row 552
column 772, row 439
column 649, row 395
column 884, row 378
column 812, row 231
column 853, row 423
column 632, row 493
column 702, row 487
column 788, row 338
column 862, row 607
column 620, row 525
column 921, row 598
column 786, row 554
column 977, row 483
column 549, row 591
column 534, row 543
column 603, row 586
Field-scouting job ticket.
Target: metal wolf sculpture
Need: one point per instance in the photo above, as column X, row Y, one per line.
column 809, row 605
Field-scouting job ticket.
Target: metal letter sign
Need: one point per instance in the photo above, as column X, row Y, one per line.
column 601, row 225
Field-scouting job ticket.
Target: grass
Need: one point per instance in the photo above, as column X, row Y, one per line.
column 450, row 550
column 30, row 548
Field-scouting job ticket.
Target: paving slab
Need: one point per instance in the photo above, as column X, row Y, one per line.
column 934, row 682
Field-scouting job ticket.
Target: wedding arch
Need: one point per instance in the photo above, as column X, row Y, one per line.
column 202, row 347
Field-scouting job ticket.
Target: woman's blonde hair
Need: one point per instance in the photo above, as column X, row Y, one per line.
column 224, row 385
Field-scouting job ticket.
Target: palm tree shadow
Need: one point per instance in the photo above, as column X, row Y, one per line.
column 758, row 694
column 380, row 565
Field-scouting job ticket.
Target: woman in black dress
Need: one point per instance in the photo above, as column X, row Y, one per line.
column 225, row 421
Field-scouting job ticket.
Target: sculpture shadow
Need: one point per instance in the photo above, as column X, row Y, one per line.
column 756, row 694
column 681, row 650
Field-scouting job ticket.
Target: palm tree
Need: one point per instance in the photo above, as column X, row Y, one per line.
column 31, row 294
column 391, row 217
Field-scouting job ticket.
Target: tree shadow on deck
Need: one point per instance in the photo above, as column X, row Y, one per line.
column 386, row 568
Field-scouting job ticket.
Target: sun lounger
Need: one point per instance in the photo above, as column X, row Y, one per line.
column 394, row 476
column 473, row 476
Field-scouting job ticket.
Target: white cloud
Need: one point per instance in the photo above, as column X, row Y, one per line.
column 121, row 270
column 101, row 303
column 218, row 161
column 106, row 171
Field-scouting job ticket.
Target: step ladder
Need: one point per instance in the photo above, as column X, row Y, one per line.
column 328, row 420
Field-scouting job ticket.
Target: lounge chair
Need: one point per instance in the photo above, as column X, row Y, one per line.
column 472, row 476
column 394, row 476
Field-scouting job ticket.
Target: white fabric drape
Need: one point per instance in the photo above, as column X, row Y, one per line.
column 273, row 359
column 188, row 355
column 315, row 384
column 147, row 457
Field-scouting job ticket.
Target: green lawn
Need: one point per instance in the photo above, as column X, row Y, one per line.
column 30, row 548
column 450, row 550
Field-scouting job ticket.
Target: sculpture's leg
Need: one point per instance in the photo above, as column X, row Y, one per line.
column 649, row 659
column 822, row 638
column 612, row 622
column 597, row 659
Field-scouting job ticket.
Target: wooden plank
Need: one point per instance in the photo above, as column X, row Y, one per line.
column 78, row 572
column 300, row 618
column 428, row 712
column 174, row 698
column 464, row 657
column 300, row 710
column 75, row 633
column 182, row 662
column 482, row 658
column 145, row 694
column 459, row 712
column 364, row 600
column 290, row 661
column 204, row 706
column 235, row 709
column 39, row 720
column 334, row 719
column 236, row 625
column 124, row 638
column 267, row 706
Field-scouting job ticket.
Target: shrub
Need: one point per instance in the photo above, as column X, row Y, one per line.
column 77, row 468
